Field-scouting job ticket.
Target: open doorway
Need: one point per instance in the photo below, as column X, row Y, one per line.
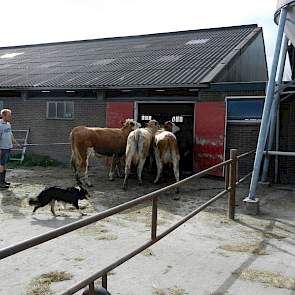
column 182, row 114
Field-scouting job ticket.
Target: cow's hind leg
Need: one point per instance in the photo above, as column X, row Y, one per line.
column 113, row 167
column 119, row 165
column 127, row 172
column 85, row 168
column 130, row 153
column 75, row 168
column 139, row 169
column 176, row 175
column 159, row 166
column 80, row 166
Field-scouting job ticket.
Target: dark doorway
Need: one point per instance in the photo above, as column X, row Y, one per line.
column 183, row 116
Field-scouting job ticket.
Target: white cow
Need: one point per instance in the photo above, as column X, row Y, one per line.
column 139, row 144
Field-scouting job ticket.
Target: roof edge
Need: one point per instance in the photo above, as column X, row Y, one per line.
column 130, row 36
column 97, row 88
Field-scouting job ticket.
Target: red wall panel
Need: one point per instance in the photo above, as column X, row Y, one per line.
column 209, row 136
column 118, row 112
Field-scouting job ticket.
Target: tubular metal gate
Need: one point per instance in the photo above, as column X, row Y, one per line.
column 231, row 181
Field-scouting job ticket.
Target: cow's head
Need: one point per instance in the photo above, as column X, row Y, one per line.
column 153, row 124
column 131, row 124
column 169, row 126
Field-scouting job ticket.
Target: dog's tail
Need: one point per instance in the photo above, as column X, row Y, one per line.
column 33, row 201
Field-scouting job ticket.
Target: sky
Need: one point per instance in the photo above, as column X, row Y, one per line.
column 44, row 21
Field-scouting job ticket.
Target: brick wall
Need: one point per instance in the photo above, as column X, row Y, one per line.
column 31, row 114
column 287, row 141
column 244, row 138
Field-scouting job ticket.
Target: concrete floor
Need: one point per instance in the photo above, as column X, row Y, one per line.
column 207, row 255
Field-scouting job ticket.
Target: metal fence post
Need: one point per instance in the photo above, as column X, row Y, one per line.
column 232, row 183
column 91, row 288
column 154, row 218
column 226, row 177
column 105, row 281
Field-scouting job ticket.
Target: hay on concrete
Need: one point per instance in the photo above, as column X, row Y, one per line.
column 41, row 285
column 98, row 231
column 176, row 291
column 78, row 259
column 157, row 291
column 254, row 248
column 169, row 291
column 107, row 236
column 147, row 252
column 272, row 235
column 273, row 279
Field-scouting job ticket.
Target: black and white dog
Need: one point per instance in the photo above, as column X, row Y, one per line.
column 70, row 195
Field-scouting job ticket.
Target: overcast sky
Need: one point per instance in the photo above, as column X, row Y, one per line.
column 43, row 21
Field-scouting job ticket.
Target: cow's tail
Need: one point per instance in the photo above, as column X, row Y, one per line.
column 132, row 149
column 136, row 140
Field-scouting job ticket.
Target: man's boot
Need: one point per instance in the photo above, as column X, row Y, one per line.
column 2, row 184
column 4, row 176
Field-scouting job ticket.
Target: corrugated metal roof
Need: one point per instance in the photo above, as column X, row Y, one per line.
column 159, row 60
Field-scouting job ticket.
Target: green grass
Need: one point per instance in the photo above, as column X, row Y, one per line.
column 32, row 160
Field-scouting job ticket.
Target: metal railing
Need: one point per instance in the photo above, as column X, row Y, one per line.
column 231, row 182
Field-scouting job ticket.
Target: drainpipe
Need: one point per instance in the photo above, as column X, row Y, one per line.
column 266, row 110
column 274, row 108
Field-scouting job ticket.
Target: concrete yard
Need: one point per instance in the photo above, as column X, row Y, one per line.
column 207, row 255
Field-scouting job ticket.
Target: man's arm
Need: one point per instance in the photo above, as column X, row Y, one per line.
column 14, row 141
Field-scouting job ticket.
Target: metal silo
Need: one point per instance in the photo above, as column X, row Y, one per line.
column 290, row 21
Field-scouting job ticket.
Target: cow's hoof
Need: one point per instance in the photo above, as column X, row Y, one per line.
column 111, row 179
column 89, row 184
column 176, row 198
column 124, row 188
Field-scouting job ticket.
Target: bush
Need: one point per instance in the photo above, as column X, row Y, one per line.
column 32, row 160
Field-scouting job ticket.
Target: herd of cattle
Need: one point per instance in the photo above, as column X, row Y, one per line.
column 131, row 143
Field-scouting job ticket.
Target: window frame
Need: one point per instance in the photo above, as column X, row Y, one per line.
column 236, row 98
column 56, row 102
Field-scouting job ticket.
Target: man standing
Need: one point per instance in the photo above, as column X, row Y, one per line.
column 6, row 143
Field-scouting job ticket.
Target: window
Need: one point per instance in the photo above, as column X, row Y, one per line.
column 245, row 108
column 11, row 55
column 60, row 110
column 197, row 41
column 177, row 119
column 146, row 117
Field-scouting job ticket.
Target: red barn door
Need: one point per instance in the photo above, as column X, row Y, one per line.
column 209, row 136
column 118, row 112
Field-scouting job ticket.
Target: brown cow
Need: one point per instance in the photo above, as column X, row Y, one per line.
column 138, row 148
column 166, row 150
column 103, row 141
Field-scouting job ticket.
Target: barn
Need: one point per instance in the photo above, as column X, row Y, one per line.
column 210, row 82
